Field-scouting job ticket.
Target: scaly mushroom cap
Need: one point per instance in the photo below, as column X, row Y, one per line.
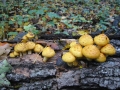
column 76, row 50
column 30, row 35
column 48, row 52
column 73, row 43
column 85, row 40
column 38, row 48
column 101, row 40
column 91, row 52
column 30, row 45
column 68, row 57
column 20, row 47
column 108, row 49
column 101, row 58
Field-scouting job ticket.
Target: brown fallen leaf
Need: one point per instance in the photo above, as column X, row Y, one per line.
column 55, row 46
column 52, row 44
column 32, row 58
column 4, row 51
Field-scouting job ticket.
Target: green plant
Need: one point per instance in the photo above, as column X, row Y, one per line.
column 4, row 68
column 31, row 28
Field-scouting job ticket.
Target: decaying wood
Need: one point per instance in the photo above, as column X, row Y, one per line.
column 56, row 75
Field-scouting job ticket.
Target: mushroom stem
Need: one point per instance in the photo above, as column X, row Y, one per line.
column 24, row 53
column 20, row 54
column 45, row 59
column 70, row 64
column 29, row 52
column 89, row 59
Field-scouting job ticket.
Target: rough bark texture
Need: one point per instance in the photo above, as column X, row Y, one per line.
column 48, row 76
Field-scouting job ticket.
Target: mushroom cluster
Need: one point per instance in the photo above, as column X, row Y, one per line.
column 26, row 46
column 97, row 49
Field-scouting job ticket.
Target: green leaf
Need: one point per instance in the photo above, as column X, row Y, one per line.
column 53, row 15
column 5, row 66
column 51, row 23
column 57, row 32
column 12, row 33
column 31, row 12
column 35, row 32
column 41, row 12
column 11, row 22
column 2, row 23
column 43, row 18
column 27, row 28
column 26, row 19
column 65, row 32
column 3, row 80
column 19, row 22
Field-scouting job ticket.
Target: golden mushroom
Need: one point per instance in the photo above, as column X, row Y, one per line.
column 85, row 40
column 91, row 52
column 47, row 52
column 101, row 58
column 76, row 50
column 101, row 40
column 30, row 35
column 30, row 46
column 38, row 48
column 20, row 48
column 108, row 50
column 73, row 43
column 69, row 58
column 11, row 55
column 24, row 38
column 16, row 53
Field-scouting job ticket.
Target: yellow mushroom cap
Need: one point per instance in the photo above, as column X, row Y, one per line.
column 76, row 50
column 85, row 40
column 48, row 52
column 108, row 49
column 101, row 58
column 38, row 48
column 30, row 35
column 15, row 53
column 12, row 55
column 91, row 52
column 101, row 40
column 68, row 57
column 30, row 45
column 25, row 37
column 20, row 47
column 73, row 43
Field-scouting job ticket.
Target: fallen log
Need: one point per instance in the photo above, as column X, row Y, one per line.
column 27, row 75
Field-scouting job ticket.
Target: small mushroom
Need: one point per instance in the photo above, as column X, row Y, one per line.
column 73, row 43
column 47, row 52
column 24, row 38
column 76, row 50
column 101, row 40
column 11, row 55
column 30, row 46
column 85, row 40
column 108, row 50
column 16, row 53
column 101, row 58
column 30, row 35
column 20, row 48
column 69, row 58
column 91, row 52
column 38, row 48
